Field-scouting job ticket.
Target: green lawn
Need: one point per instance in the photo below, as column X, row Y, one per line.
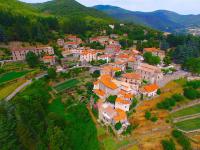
column 187, row 111
column 189, row 125
column 11, row 76
column 66, row 85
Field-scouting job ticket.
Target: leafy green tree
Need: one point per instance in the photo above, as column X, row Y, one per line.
column 191, row 93
column 148, row 115
column 112, row 99
column 151, row 59
column 51, row 73
column 32, row 59
column 168, row 144
column 158, row 91
column 118, row 126
column 164, row 45
column 167, row 60
column 154, row 119
column 193, row 65
column 182, row 139
column 96, row 74
column 55, row 133
column 178, row 97
column 118, row 73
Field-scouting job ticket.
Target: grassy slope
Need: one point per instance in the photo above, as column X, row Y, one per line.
column 9, row 88
column 66, row 85
column 187, row 111
column 189, row 125
column 11, row 76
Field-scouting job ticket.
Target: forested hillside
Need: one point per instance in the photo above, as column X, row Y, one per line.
column 68, row 8
column 19, row 21
column 29, row 123
column 23, row 22
column 48, row 21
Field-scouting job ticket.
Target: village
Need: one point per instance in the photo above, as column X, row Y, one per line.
column 123, row 75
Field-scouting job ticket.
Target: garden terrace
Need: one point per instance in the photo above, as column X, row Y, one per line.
column 66, row 85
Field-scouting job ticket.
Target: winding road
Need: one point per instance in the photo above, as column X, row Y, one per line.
column 17, row 90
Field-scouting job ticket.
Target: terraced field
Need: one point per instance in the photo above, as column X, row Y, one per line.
column 187, row 119
column 66, row 85
column 11, row 76
column 9, row 88
column 187, row 111
column 189, row 125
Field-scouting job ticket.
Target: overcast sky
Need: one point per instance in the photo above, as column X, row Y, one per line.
column 180, row 6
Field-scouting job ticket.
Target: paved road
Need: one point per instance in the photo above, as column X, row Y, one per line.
column 14, row 93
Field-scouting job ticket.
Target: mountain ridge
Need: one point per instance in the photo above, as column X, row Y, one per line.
column 164, row 20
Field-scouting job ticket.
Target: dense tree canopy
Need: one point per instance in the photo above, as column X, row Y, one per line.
column 151, row 59
column 32, row 59
column 30, row 122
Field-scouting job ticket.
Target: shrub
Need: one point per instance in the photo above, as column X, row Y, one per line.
column 178, row 97
column 191, row 93
column 129, row 129
column 118, row 74
column 96, row 74
column 148, row 115
column 158, row 91
column 154, row 119
column 112, row 99
column 182, row 139
column 134, row 103
column 194, row 84
column 168, row 144
column 118, row 126
column 51, row 73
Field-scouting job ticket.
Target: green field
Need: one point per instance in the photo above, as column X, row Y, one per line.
column 57, row 107
column 187, row 111
column 11, row 76
column 7, row 89
column 66, row 85
column 189, row 125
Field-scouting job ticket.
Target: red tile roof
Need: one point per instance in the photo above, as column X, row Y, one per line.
column 151, row 88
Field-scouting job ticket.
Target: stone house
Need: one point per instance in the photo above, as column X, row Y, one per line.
column 20, row 53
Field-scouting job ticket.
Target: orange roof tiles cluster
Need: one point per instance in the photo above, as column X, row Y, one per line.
column 135, row 76
column 86, row 52
column 48, row 57
column 153, row 49
column 123, row 56
column 106, row 80
column 122, row 101
column 150, row 88
column 116, row 69
column 125, row 94
column 121, row 115
column 99, row 92
column 131, row 59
